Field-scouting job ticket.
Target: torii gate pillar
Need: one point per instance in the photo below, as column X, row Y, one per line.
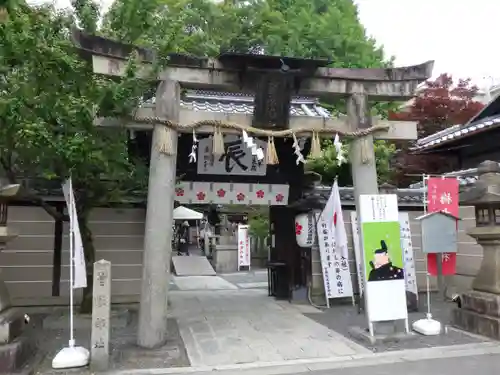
column 361, row 153
column 158, row 234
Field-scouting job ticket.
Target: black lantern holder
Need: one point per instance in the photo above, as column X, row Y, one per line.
column 4, row 212
column 312, row 198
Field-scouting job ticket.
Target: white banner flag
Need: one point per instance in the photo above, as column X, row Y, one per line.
column 80, row 273
column 338, row 223
column 332, row 240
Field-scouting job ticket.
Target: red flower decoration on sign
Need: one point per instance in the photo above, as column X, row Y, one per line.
column 221, row 193
column 260, row 194
column 240, row 197
column 335, row 219
column 298, row 229
column 279, row 197
column 201, row 196
column 179, row 192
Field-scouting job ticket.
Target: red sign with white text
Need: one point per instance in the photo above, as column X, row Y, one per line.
column 448, row 264
column 442, row 195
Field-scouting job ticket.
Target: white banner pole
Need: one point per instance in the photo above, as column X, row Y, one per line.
column 71, row 356
column 72, row 263
column 427, row 274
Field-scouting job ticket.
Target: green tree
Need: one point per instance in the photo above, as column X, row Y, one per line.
column 259, row 229
column 49, row 99
column 327, row 167
column 300, row 28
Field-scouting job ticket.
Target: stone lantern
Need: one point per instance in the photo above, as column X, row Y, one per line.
column 480, row 311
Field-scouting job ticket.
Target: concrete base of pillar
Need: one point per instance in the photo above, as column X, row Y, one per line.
column 16, row 356
column 17, row 345
column 385, row 335
column 11, row 325
column 225, row 258
column 362, row 334
column 299, row 295
column 479, row 314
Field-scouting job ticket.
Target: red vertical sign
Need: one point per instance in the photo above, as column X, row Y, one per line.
column 442, row 195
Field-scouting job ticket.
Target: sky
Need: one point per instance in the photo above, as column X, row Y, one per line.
column 459, row 35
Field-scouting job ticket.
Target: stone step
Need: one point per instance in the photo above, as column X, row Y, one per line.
column 15, row 356
column 474, row 322
column 481, row 303
column 12, row 324
column 192, row 266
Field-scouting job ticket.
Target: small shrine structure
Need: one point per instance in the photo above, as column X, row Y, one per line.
column 271, row 134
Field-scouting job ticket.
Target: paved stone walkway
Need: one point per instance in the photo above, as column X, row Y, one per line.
column 241, row 280
column 478, row 364
column 202, row 283
column 243, row 326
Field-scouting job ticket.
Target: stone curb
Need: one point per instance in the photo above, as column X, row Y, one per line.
column 318, row 364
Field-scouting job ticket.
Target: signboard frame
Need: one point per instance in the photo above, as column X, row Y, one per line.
column 244, row 251
column 385, row 293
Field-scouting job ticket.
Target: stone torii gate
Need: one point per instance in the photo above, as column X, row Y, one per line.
column 233, row 74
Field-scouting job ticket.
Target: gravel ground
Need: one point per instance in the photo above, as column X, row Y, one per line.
column 341, row 317
column 125, row 354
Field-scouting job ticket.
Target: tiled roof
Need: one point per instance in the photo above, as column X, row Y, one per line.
column 488, row 118
column 211, row 101
column 406, row 197
column 465, row 177
column 457, row 131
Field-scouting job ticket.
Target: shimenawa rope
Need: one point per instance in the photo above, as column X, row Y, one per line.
column 165, row 141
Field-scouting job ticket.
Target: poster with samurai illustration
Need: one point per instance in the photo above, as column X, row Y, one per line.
column 383, row 259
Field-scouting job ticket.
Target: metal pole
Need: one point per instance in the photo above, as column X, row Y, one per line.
column 427, row 276
column 440, row 277
column 439, row 269
column 71, row 263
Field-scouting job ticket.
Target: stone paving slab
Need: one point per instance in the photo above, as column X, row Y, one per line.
column 202, row 283
column 484, row 355
column 257, row 275
column 245, row 326
column 261, row 284
column 193, row 265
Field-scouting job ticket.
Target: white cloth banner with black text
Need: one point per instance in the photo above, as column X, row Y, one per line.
column 332, row 241
column 80, row 273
